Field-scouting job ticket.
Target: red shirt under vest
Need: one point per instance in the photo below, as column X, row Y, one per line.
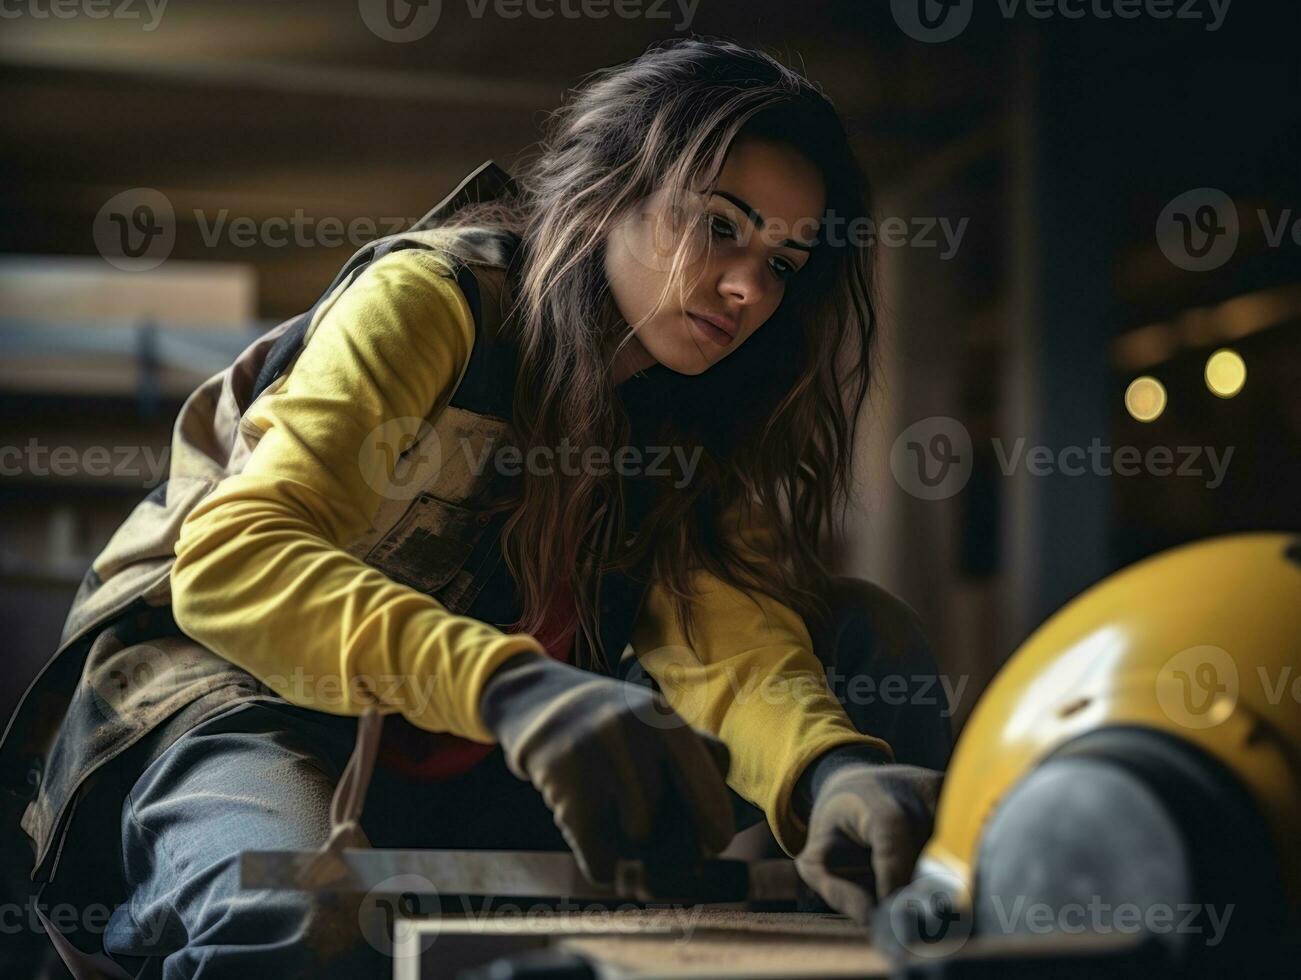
column 436, row 756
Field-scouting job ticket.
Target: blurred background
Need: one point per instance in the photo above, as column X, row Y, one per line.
column 1078, row 209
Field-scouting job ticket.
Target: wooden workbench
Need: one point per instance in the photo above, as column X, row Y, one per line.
column 644, row 943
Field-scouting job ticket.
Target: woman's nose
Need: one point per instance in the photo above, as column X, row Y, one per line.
column 741, row 283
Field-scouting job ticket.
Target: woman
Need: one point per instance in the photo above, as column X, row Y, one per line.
column 421, row 509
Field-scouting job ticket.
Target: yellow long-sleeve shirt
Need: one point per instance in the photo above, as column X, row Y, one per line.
column 262, row 579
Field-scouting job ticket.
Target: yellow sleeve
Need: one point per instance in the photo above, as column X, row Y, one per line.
column 261, row 577
column 753, row 681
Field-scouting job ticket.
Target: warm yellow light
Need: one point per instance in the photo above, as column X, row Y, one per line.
column 1226, row 373
column 1145, row 398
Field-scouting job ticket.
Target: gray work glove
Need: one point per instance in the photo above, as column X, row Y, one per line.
column 869, row 822
column 610, row 758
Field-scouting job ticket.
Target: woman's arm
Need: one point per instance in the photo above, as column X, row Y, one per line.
column 260, row 575
column 752, row 680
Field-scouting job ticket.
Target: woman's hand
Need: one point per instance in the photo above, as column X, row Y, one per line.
column 608, row 757
column 868, row 824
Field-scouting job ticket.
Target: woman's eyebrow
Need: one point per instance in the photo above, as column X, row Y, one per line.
column 756, row 219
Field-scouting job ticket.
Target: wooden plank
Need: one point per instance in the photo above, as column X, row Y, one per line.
column 676, row 943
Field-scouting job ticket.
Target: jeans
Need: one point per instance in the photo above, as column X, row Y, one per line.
column 261, row 777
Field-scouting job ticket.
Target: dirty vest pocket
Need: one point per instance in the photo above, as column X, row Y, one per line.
column 429, row 545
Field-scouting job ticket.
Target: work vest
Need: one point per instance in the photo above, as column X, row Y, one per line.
column 438, row 536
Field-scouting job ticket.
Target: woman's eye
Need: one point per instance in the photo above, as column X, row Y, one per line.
column 783, row 269
column 721, row 227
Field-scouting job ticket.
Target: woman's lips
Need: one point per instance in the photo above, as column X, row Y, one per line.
column 721, row 337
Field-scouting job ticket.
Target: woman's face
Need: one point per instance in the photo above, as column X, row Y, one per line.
column 762, row 217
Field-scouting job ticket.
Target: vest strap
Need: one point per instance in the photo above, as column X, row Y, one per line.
column 346, row 805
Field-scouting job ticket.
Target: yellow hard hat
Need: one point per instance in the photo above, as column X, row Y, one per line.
column 1144, row 742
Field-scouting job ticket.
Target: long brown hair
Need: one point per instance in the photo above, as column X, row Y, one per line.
column 774, row 421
